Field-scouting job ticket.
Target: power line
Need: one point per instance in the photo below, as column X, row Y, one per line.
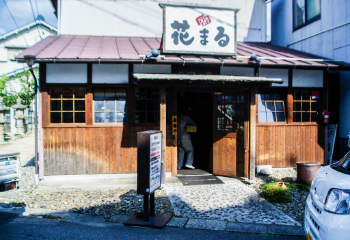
column 15, row 21
column 37, row 27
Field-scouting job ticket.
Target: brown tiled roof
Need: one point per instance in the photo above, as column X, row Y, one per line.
column 91, row 48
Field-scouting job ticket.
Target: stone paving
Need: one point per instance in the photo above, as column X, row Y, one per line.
column 232, row 202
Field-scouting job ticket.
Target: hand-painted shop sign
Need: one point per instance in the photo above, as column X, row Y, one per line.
column 198, row 30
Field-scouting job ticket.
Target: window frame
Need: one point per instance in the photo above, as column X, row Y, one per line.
column 285, row 105
column 134, row 110
column 73, row 86
column 307, row 22
column 95, row 86
column 319, row 106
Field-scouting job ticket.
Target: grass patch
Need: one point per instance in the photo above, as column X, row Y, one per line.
column 298, row 186
column 277, row 193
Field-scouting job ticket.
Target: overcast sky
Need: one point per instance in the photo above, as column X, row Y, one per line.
column 22, row 13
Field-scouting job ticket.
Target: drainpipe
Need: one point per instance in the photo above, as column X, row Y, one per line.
column 29, row 59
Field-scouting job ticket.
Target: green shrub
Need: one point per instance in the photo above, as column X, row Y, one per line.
column 276, row 193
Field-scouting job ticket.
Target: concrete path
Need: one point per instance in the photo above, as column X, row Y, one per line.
column 25, row 145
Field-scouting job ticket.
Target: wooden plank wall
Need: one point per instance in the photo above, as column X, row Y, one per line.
column 283, row 146
column 95, row 150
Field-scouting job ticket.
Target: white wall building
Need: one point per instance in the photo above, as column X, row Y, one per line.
column 11, row 45
column 321, row 28
column 135, row 18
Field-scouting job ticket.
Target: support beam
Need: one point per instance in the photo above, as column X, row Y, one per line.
column 162, row 94
column 252, row 131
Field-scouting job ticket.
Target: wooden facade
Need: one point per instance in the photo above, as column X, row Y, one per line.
column 92, row 148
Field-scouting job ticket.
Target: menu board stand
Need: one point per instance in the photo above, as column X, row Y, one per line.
column 149, row 152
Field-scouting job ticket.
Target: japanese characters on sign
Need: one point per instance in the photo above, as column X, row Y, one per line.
column 155, row 161
column 202, row 30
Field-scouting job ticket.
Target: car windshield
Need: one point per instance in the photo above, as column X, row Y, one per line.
column 343, row 165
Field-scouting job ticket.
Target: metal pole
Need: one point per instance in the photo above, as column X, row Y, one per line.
column 36, row 178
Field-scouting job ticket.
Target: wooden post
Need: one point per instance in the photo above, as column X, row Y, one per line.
column 252, row 130
column 162, row 93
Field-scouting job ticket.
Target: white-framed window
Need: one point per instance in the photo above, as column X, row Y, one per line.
column 109, row 105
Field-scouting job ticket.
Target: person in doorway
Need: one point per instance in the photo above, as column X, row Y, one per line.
column 184, row 141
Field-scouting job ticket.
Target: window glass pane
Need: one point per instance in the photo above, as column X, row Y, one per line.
column 299, row 13
column 261, row 97
column 279, row 106
column 278, row 97
column 110, row 105
column 297, row 95
column 269, row 96
column 55, row 105
column 152, row 117
column 270, row 106
column 109, row 94
column 56, row 93
column 228, row 99
column 280, row 117
column 306, row 106
column 120, row 94
column 79, row 105
column 305, row 95
column 140, row 105
column 79, row 93
column 271, row 116
column 121, row 106
column 297, row 106
column 67, row 105
column 120, row 117
column 98, row 94
column 140, row 93
column 80, row 117
column 99, row 117
column 261, row 106
column 140, row 117
column 219, row 100
column 99, row 105
column 314, row 106
column 313, row 9
column 305, row 117
column 314, row 117
column 67, row 93
column 55, row 117
column 67, row 117
column 110, row 117
column 297, row 117
column 152, row 93
column 262, row 117
column 152, row 106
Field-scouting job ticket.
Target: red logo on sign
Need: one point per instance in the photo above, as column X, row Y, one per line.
column 203, row 20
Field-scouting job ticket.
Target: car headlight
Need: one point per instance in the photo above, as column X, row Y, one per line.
column 338, row 201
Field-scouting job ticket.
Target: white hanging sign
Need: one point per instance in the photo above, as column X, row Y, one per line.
column 199, row 30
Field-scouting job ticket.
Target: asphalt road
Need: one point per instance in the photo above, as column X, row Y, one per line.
column 13, row 226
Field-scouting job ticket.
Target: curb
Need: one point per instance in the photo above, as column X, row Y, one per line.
column 176, row 222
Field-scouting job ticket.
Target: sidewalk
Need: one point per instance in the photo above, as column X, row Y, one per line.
column 231, row 207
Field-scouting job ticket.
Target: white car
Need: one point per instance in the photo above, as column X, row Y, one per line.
column 327, row 211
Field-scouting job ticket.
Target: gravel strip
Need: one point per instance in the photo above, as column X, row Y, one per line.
column 296, row 208
column 107, row 202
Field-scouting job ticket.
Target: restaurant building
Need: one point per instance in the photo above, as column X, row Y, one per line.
column 253, row 103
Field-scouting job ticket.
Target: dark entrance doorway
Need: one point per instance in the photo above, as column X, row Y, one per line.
column 201, row 105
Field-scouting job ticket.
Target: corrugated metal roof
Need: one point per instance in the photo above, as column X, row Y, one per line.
column 92, row 48
column 141, row 76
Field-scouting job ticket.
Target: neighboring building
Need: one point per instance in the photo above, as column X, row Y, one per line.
column 97, row 92
column 321, row 28
column 12, row 44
